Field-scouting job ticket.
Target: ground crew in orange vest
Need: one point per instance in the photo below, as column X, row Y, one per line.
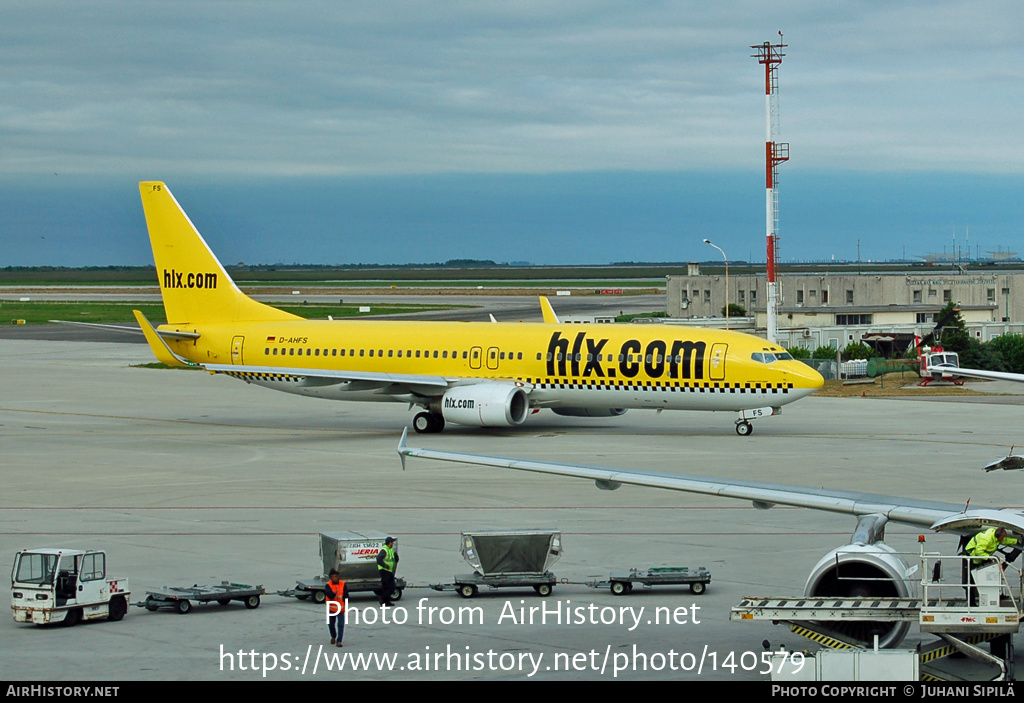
column 336, row 592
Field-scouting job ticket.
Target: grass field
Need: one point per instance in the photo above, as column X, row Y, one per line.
column 41, row 312
column 892, row 385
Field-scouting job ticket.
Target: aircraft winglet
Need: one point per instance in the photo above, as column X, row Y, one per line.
column 549, row 312
column 401, row 446
column 159, row 347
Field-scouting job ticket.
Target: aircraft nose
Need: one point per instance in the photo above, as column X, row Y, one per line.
column 804, row 376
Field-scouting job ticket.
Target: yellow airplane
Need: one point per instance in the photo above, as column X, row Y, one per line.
column 476, row 374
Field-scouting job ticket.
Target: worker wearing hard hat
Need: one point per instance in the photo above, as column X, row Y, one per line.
column 387, row 563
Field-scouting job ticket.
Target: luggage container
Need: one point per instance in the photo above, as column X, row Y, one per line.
column 354, row 556
column 507, row 559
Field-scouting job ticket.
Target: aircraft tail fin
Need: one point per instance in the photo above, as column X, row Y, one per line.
column 195, row 287
column 548, row 311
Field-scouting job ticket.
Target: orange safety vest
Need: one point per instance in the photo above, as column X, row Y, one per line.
column 336, row 593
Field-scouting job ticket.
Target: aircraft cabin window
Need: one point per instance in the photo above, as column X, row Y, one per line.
column 391, row 353
column 317, row 353
column 444, row 354
column 342, row 353
column 465, row 355
column 371, row 352
column 362, row 352
column 275, row 351
column 291, row 351
column 435, row 353
column 399, row 353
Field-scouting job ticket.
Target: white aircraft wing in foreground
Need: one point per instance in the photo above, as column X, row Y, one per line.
column 866, row 567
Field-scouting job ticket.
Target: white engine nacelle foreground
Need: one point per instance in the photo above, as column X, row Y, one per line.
column 589, row 412
column 864, row 571
column 485, row 405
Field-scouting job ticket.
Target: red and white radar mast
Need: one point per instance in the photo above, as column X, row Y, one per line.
column 770, row 56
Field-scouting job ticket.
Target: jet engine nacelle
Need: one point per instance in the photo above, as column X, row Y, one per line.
column 864, row 571
column 589, row 412
column 485, row 405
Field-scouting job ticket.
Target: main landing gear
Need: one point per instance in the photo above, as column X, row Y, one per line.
column 428, row 423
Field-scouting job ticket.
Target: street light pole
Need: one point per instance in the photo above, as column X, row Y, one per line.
column 708, row 242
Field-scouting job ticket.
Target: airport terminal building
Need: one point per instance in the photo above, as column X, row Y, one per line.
column 836, row 308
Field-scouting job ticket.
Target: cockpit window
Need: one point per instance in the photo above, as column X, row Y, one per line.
column 770, row 357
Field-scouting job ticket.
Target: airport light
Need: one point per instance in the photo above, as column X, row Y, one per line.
column 708, row 242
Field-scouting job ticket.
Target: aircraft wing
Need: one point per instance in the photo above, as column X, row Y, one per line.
column 934, row 515
column 366, row 380
column 978, row 373
column 165, row 334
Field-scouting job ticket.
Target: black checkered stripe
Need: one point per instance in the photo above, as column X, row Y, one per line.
column 667, row 386
column 250, row 376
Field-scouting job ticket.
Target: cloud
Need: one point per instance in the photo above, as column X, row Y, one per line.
column 322, row 88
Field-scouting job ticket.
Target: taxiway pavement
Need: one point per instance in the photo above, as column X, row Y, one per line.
column 184, row 478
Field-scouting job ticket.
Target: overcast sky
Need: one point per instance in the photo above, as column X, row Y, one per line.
column 554, row 132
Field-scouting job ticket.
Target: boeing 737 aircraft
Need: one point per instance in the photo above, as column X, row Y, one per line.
column 477, row 374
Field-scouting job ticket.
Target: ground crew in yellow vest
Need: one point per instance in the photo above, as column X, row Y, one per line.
column 985, row 543
column 387, row 563
column 337, row 593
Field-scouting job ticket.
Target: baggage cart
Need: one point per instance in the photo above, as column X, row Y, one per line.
column 621, row 582
column 183, row 598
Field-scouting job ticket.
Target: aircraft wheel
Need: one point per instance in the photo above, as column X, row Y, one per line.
column 117, row 609
column 421, row 423
column 744, row 428
column 697, row 588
